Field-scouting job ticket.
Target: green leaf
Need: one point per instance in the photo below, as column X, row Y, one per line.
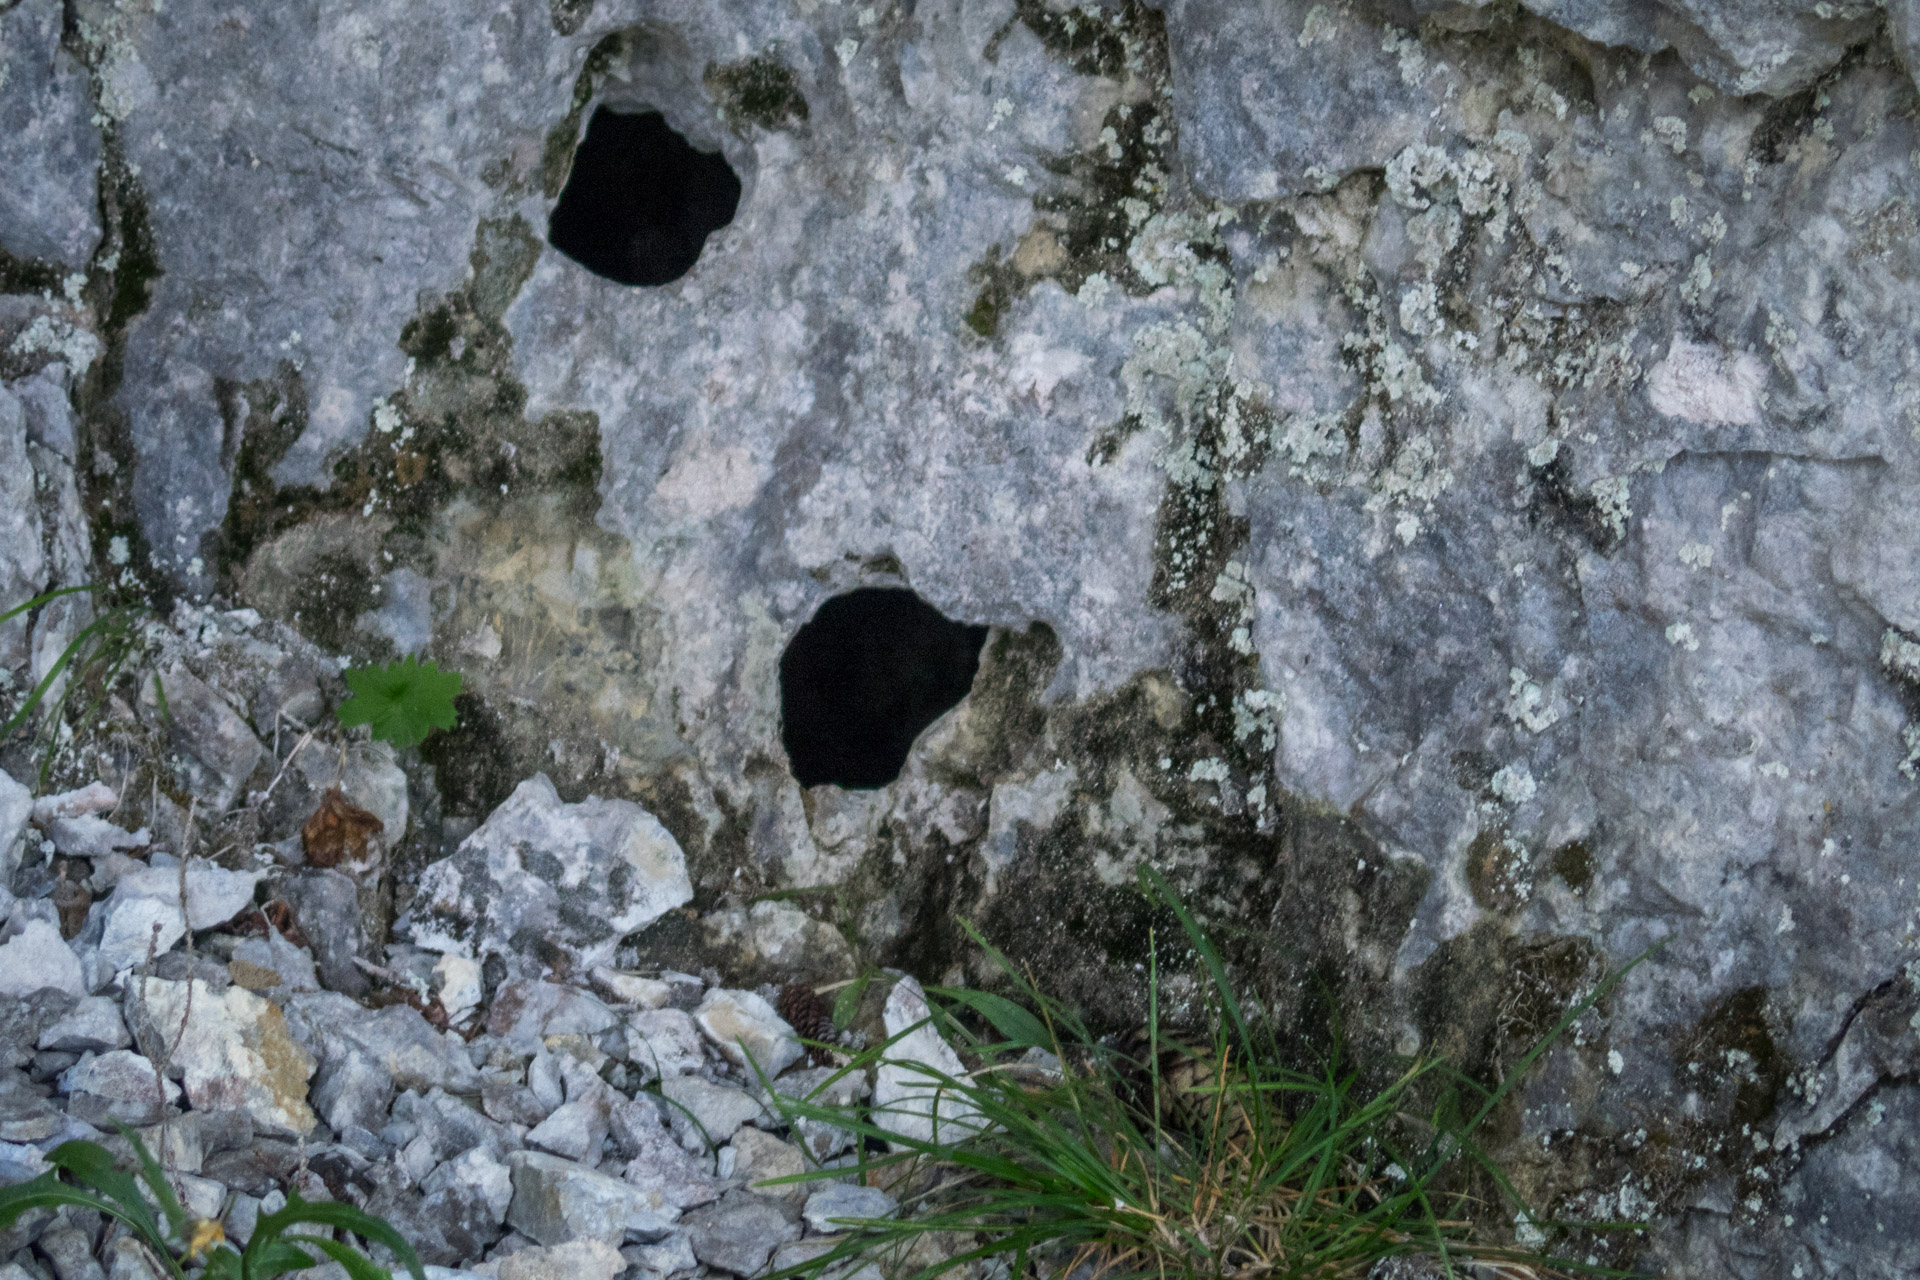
column 847, row 1003
column 1008, row 1018
column 284, row 1257
column 403, row 701
column 222, row 1264
column 46, row 1192
column 94, row 1166
column 157, row 1180
column 324, row 1213
column 358, row 1265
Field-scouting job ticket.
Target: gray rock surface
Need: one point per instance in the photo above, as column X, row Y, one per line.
column 231, row 1050
column 94, row 1024
column 740, row 1232
column 49, row 147
column 703, row 1114
column 556, row 1201
column 36, row 957
column 748, row 1031
column 841, row 1200
column 578, row 876
column 664, row 1043
column 117, row 1086
column 1460, row 457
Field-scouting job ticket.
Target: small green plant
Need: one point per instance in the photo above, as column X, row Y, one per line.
column 85, row 1175
column 1061, row 1155
column 403, row 701
column 92, row 660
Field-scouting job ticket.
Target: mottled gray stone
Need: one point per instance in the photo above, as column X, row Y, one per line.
column 844, row 1200
column 117, row 1086
column 93, row 1024
column 327, row 904
column 49, row 147
column 34, row 957
column 574, row 1130
column 478, row 1169
column 705, row 1113
column 740, row 1233
column 556, row 1201
column 759, row 1156
column 580, row 877
column 664, row 1043
column 26, row 1115
column 71, row 1253
column 24, row 1019
column 776, row 942
column 230, row 1049
column 748, row 1032
column 1473, row 484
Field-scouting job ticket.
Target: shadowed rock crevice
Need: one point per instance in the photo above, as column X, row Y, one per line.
column 861, row 680
column 641, row 201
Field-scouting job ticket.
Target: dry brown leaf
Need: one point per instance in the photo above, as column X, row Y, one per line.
column 338, row 831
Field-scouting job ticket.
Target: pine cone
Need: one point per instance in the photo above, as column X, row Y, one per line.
column 810, row 1014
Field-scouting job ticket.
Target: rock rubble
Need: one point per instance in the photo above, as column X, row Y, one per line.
column 478, row 1068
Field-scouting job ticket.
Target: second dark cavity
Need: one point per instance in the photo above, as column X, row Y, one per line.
column 641, row 201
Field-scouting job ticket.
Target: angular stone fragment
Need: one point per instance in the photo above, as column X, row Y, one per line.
column 16, row 804
column 574, row 1130
column 759, row 1156
column 94, row 1024
column 574, row 1260
column 845, row 1200
column 24, row 1019
column 572, row 878
column 230, row 1049
column 71, row 1253
column 740, row 1233
column 556, row 1200
column 37, row 957
column 748, row 1031
column 525, row 1013
column 910, row 1097
column 119, row 1086
column 216, row 746
column 26, row 1115
column 397, row 1039
column 96, row 797
column 664, row 1043
column 704, row 1114
column 478, row 1170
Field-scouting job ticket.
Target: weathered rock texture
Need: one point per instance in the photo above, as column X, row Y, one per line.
column 1441, row 474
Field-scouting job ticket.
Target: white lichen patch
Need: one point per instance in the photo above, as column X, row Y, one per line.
column 66, row 341
column 1900, row 656
column 1530, row 704
column 1514, row 784
column 1680, row 635
column 1696, row 555
column 1610, row 494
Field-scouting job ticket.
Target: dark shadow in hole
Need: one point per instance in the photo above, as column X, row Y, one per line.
column 861, row 680
column 640, row 202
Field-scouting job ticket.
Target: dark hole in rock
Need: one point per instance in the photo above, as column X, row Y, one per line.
column 640, row 202
column 861, row 680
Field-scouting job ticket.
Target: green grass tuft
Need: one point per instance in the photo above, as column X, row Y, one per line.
column 1063, row 1157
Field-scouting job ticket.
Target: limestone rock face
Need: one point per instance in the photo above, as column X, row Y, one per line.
column 48, row 145
column 1440, row 476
